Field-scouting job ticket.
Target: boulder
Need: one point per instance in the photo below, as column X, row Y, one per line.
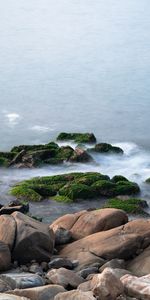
column 80, row 155
column 123, row 242
column 75, row 295
column 77, row 137
column 34, row 240
column 113, row 264
column 64, row 277
column 138, row 287
column 66, row 221
column 107, row 149
column 97, row 220
column 106, row 286
column 21, row 280
column 59, row 262
column 5, row 257
column 140, row 265
column 11, row 297
column 62, row 236
column 47, row 292
column 4, row 286
column 7, row 230
column 86, row 272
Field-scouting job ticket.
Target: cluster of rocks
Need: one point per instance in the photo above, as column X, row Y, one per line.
column 29, row 156
column 88, row 255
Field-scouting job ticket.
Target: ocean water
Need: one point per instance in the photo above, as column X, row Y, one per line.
column 76, row 66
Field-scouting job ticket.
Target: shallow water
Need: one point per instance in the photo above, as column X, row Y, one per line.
column 134, row 164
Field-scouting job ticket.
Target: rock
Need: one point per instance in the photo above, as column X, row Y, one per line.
column 62, row 236
column 77, row 137
column 85, row 272
column 66, row 221
column 122, row 242
column 132, row 206
column 106, row 148
column 140, row 265
column 36, row 269
column 137, row 287
column 80, row 155
column 7, row 230
column 5, row 257
column 75, row 295
column 59, row 262
column 11, row 297
column 47, row 292
column 113, row 264
column 106, row 286
column 4, row 286
column 121, row 272
column 64, row 277
column 34, row 240
column 21, row 280
column 96, row 221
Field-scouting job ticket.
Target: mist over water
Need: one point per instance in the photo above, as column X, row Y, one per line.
column 76, row 66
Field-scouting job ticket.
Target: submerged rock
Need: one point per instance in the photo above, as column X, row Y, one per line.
column 77, row 137
column 130, row 205
column 106, row 148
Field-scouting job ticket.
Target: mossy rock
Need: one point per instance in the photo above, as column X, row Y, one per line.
column 104, row 188
column 77, row 137
column 91, row 178
column 106, row 148
column 4, row 162
column 63, row 199
column 23, row 192
column 43, row 190
column 77, row 191
column 126, row 188
column 147, row 180
column 27, row 148
column 131, row 206
column 118, row 178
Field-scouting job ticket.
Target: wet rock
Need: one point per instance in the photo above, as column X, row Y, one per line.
column 106, row 148
column 34, row 240
column 4, row 286
column 62, row 236
column 64, row 277
column 21, row 280
column 80, row 155
column 47, row 292
column 77, row 137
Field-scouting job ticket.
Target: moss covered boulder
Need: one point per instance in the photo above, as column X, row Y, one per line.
column 73, row 187
column 77, row 137
column 130, row 205
column 106, row 148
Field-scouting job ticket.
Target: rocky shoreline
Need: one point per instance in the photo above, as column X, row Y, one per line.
column 91, row 254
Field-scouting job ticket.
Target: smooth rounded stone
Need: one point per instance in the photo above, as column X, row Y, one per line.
column 34, row 240
column 7, row 230
column 5, row 257
column 113, row 264
column 140, row 265
column 62, row 236
column 11, row 297
column 59, row 262
column 75, row 295
column 47, row 292
column 64, row 277
column 122, row 242
column 98, row 220
column 85, row 286
column 138, row 287
column 121, row 272
column 85, row 272
column 106, row 285
column 22, row 280
column 66, row 221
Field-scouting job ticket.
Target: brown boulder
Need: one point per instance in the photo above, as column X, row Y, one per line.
column 140, row 265
column 137, row 287
column 64, row 277
column 5, row 257
column 7, row 230
column 98, row 220
column 47, row 292
column 121, row 242
column 66, row 221
column 34, row 240
column 75, row 295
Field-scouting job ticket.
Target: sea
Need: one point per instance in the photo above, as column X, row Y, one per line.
column 76, row 66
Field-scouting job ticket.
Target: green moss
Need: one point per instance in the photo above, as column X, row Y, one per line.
column 133, row 205
column 77, row 191
column 90, row 178
column 3, row 162
column 118, row 178
column 104, row 188
column 126, row 188
column 23, row 192
column 43, row 190
column 63, row 199
column 106, row 148
column 77, row 137
column 49, row 146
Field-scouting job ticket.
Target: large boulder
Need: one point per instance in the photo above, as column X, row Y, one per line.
column 140, row 265
column 80, row 155
column 7, row 230
column 75, row 295
column 138, row 287
column 122, row 242
column 47, row 292
column 91, row 221
column 5, row 257
column 64, row 277
column 34, row 240
column 11, row 297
